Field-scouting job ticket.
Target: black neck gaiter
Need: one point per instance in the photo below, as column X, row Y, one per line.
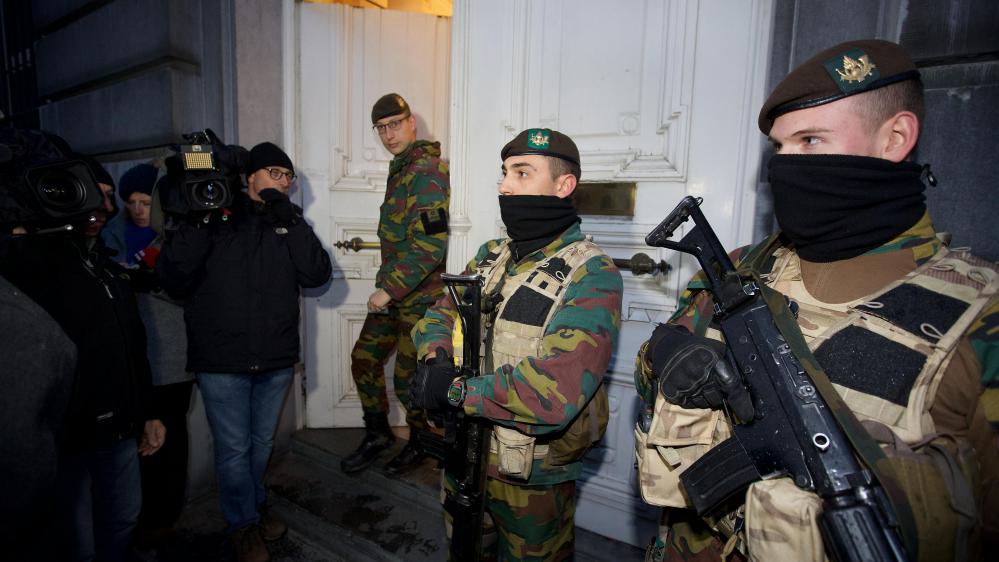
column 533, row 221
column 835, row 207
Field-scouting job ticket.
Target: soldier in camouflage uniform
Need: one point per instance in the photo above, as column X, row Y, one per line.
column 856, row 244
column 548, row 344
column 413, row 231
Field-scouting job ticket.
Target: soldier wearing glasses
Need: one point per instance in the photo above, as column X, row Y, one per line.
column 241, row 278
column 412, row 230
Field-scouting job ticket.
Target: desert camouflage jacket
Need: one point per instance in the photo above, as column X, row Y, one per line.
column 542, row 395
column 412, row 226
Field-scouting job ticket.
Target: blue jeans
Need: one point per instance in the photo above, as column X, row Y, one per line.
column 100, row 497
column 243, row 411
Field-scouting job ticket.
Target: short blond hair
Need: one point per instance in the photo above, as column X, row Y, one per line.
column 880, row 105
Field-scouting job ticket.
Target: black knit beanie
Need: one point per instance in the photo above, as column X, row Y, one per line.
column 268, row 154
column 138, row 179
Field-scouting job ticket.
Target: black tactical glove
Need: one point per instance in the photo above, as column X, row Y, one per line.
column 693, row 372
column 281, row 209
column 432, row 381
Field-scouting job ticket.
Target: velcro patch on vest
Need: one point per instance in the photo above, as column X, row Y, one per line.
column 434, row 221
column 910, row 306
column 527, row 306
column 871, row 363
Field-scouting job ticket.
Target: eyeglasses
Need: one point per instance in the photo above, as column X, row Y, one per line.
column 392, row 125
column 277, row 174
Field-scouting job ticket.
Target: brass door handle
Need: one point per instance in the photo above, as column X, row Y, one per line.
column 640, row 264
column 357, row 244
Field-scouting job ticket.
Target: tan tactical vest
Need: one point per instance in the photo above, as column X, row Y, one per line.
column 885, row 355
column 529, row 301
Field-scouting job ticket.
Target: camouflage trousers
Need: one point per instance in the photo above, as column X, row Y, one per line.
column 526, row 522
column 380, row 335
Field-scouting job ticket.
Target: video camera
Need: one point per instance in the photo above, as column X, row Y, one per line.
column 42, row 185
column 203, row 175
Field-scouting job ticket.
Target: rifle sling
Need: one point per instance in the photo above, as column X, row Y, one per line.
column 866, row 449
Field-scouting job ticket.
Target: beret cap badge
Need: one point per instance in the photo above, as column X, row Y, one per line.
column 852, row 70
column 538, row 139
column 855, row 70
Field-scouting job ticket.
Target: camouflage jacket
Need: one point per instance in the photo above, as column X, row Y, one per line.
column 542, row 395
column 412, row 226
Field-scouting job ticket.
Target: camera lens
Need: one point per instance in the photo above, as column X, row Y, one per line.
column 210, row 194
column 61, row 190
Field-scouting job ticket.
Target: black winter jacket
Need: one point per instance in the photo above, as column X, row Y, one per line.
column 241, row 279
column 89, row 296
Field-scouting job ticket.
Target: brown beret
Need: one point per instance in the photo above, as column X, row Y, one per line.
column 838, row 72
column 545, row 142
column 388, row 105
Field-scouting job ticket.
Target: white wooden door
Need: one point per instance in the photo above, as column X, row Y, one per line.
column 663, row 93
column 348, row 58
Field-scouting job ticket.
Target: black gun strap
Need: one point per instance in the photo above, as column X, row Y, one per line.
column 867, row 450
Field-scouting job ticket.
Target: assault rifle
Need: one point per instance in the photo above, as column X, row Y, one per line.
column 465, row 446
column 801, row 427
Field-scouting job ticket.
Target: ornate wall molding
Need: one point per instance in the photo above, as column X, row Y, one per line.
column 641, row 81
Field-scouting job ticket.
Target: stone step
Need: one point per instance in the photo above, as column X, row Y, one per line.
column 367, row 517
column 380, row 517
column 335, row 517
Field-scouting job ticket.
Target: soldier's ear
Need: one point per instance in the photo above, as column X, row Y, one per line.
column 565, row 185
column 898, row 135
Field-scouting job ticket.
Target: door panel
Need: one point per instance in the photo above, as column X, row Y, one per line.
column 348, row 58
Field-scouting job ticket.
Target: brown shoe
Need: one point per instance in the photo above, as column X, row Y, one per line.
column 272, row 527
column 249, row 546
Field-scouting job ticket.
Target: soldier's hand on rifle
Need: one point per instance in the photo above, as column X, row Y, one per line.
column 693, row 372
column 432, row 383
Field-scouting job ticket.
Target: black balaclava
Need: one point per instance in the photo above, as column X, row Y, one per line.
column 835, row 207
column 533, row 221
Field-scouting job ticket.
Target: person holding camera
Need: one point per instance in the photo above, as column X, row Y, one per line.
column 241, row 270
column 55, row 205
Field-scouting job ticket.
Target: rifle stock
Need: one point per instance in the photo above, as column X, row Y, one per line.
column 795, row 431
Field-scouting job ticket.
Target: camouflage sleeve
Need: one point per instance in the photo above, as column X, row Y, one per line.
column 426, row 235
column 435, row 328
column 544, row 394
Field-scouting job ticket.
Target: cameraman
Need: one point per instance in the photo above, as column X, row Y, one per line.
column 68, row 272
column 241, row 271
